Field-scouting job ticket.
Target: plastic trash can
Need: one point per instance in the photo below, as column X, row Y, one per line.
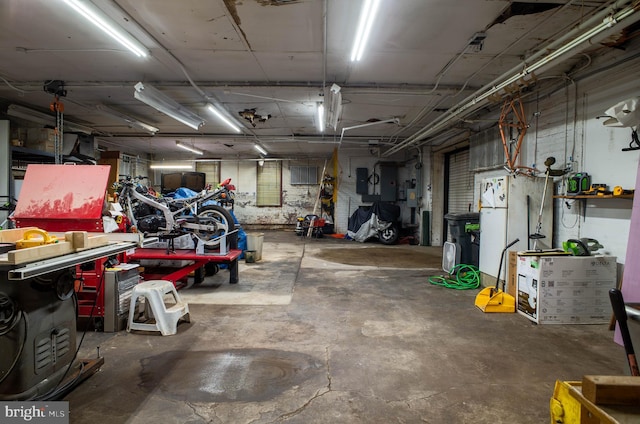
column 254, row 242
column 458, row 224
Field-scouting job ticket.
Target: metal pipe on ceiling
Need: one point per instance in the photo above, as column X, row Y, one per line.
column 428, row 108
column 393, row 120
column 474, row 101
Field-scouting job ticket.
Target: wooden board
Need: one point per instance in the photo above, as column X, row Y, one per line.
column 611, row 390
column 79, row 239
column 93, row 242
column 12, row 236
column 75, row 241
column 32, row 254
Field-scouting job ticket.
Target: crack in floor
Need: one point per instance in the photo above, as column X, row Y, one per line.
column 195, row 411
column 319, row 393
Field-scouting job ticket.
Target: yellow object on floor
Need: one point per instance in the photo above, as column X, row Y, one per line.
column 35, row 237
column 491, row 299
column 570, row 403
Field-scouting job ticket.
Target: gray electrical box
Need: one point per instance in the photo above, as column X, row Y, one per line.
column 412, row 198
column 362, row 184
column 388, row 183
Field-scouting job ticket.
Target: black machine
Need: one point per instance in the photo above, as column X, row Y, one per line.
column 37, row 335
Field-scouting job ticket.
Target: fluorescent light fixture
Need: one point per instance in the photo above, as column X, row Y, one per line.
column 170, row 166
column 260, row 149
column 334, row 106
column 367, row 16
column 320, row 117
column 131, row 122
column 165, row 104
column 44, row 119
column 221, row 117
column 30, row 115
column 189, row 148
column 94, row 15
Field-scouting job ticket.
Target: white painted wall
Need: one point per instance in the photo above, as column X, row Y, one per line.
column 349, row 200
column 598, row 152
column 297, row 200
column 564, row 124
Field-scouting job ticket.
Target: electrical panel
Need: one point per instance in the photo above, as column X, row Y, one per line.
column 362, row 184
column 412, row 198
column 388, row 183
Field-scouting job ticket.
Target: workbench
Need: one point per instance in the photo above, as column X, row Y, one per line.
column 230, row 258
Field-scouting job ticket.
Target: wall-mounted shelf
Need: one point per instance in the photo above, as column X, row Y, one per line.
column 585, row 196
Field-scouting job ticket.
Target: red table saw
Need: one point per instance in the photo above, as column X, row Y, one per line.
column 60, row 198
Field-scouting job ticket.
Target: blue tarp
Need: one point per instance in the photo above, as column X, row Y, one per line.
column 184, row 193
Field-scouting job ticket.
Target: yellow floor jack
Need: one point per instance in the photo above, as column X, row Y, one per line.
column 492, row 299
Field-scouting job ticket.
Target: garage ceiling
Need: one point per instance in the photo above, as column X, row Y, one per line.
column 267, row 63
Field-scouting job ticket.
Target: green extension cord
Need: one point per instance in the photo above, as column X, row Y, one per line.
column 463, row 277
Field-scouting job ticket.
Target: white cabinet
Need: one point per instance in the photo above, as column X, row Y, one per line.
column 506, row 214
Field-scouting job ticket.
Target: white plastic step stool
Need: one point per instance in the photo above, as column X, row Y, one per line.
column 166, row 317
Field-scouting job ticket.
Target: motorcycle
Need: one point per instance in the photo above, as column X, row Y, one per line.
column 380, row 220
column 204, row 216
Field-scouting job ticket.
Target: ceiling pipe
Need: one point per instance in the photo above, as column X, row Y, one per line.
column 465, row 86
column 606, row 20
column 390, row 120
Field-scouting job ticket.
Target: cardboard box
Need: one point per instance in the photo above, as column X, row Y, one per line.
column 512, row 273
column 18, row 136
column 42, row 139
column 565, row 289
column 37, row 135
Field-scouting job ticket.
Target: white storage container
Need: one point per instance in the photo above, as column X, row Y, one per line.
column 254, row 242
column 565, row 289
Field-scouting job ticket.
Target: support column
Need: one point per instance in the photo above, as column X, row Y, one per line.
column 6, row 188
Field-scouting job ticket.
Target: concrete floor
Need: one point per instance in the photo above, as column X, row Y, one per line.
column 360, row 341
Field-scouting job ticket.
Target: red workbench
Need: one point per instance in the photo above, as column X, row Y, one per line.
column 200, row 260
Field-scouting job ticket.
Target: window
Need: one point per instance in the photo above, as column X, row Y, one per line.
column 133, row 166
column 211, row 170
column 304, row 175
column 269, row 184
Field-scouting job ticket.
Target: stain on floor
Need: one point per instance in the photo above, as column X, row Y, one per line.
column 240, row 375
column 393, row 257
